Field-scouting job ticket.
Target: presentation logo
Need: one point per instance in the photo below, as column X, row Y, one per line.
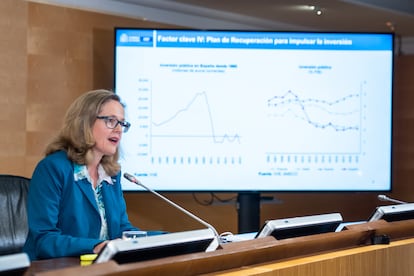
column 123, row 38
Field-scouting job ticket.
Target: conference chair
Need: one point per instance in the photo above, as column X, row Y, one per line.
column 13, row 214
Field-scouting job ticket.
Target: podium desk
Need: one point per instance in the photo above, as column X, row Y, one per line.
column 395, row 259
column 348, row 252
column 51, row 265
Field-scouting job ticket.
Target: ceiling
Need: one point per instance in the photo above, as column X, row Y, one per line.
column 282, row 15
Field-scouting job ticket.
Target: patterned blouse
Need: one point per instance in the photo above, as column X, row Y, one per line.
column 81, row 172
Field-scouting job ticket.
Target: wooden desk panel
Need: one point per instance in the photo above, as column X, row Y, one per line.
column 51, row 264
column 345, row 253
column 233, row 255
column 373, row 260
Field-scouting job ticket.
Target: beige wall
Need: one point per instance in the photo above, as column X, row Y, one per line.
column 49, row 55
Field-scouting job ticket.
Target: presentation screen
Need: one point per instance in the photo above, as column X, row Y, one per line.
column 255, row 110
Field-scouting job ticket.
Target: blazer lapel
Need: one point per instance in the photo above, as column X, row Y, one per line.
column 86, row 189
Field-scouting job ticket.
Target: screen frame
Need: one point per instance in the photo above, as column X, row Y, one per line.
column 256, row 191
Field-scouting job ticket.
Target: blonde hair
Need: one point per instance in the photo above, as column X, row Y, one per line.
column 75, row 136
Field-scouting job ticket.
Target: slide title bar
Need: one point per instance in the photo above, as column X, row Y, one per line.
column 253, row 40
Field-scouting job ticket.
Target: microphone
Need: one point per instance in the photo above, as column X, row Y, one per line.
column 386, row 198
column 132, row 179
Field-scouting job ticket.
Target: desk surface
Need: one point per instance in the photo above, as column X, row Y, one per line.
column 51, row 264
column 345, row 247
column 379, row 260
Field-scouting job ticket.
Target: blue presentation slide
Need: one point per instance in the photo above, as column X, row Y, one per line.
column 265, row 111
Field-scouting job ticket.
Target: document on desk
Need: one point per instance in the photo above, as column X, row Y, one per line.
column 238, row 237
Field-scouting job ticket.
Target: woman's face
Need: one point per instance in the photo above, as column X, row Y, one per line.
column 107, row 139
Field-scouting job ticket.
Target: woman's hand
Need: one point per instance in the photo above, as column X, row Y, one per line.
column 99, row 247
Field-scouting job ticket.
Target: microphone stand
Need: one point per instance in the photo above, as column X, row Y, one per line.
column 386, row 198
column 132, row 179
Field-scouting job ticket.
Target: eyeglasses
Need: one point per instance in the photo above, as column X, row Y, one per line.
column 112, row 122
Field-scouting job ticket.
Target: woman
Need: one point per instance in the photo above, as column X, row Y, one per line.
column 75, row 202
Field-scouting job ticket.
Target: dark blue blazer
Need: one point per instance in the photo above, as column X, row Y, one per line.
column 63, row 215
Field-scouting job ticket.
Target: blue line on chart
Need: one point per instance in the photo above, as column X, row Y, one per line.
column 203, row 95
column 289, row 100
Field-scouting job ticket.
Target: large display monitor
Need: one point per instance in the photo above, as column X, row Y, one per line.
column 262, row 111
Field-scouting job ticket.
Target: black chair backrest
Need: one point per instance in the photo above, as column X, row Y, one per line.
column 13, row 213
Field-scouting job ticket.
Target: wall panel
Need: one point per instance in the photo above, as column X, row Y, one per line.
column 13, row 85
column 49, row 55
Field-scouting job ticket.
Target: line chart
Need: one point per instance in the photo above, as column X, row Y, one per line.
column 321, row 114
column 185, row 123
